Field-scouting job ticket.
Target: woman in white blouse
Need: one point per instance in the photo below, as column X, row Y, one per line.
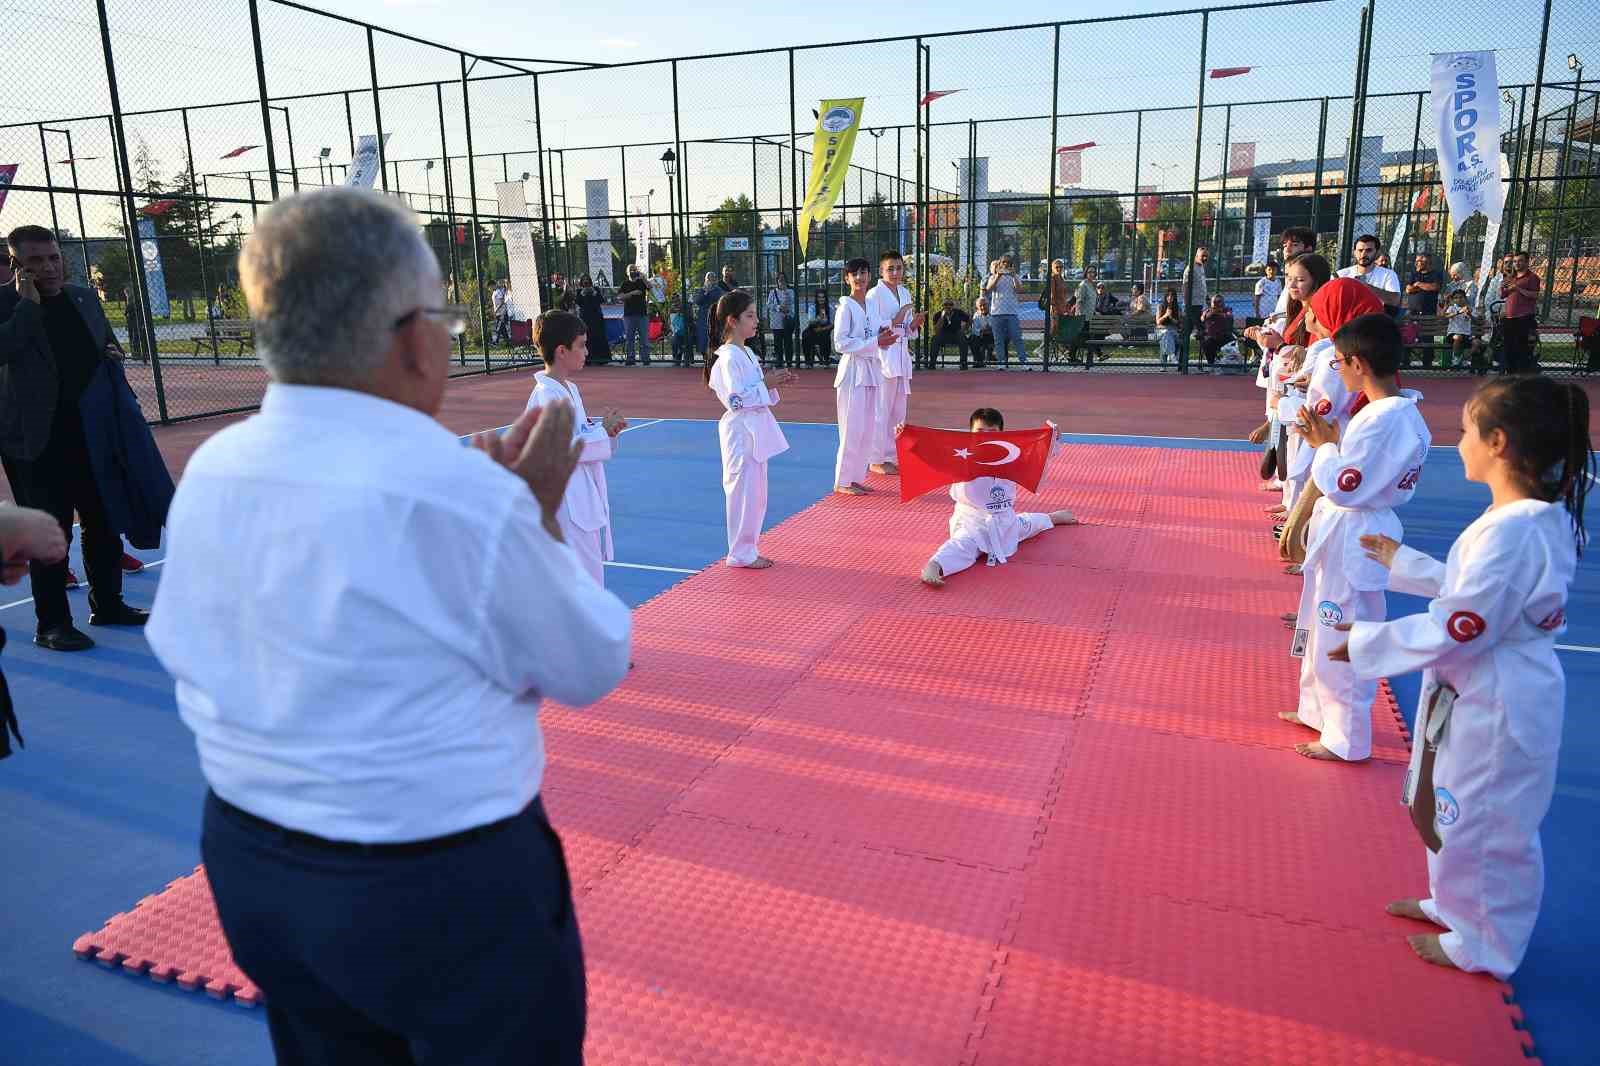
column 858, row 338
column 748, row 432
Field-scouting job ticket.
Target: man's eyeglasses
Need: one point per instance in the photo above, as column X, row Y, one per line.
column 452, row 316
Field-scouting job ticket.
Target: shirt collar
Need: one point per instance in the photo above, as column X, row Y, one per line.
column 348, row 407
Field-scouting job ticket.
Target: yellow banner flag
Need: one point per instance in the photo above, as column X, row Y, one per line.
column 837, row 123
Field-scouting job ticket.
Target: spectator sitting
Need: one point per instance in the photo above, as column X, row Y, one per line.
column 1216, row 323
column 1458, row 330
column 816, row 340
column 1138, row 306
column 1169, row 319
column 950, row 327
column 1105, row 301
column 980, row 334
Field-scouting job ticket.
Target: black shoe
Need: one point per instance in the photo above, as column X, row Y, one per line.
column 63, row 638
column 119, row 615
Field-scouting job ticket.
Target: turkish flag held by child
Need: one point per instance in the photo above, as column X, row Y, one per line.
column 930, row 458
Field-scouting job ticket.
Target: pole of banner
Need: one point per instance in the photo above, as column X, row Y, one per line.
column 795, row 200
column 1561, row 196
column 449, row 214
column 672, row 180
column 349, row 127
column 1316, row 184
column 1411, row 186
column 288, row 133
column 756, row 257
column 130, row 217
column 377, row 114
column 50, row 182
column 1050, row 218
column 199, row 241
column 1136, row 261
column 472, row 194
column 1194, row 200
column 548, row 295
column 1534, row 151
column 1352, row 144
column 261, row 89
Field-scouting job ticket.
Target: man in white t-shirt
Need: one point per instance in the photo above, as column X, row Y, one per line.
column 1384, row 283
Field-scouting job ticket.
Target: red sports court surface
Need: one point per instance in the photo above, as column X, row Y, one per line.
column 1044, row 815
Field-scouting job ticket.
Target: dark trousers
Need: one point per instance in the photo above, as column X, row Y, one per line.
column 940, row 341
column 1518, row 334
column 468, row 954
column 783, row 346
column 982, row 348
column 60, row 482
column 815, row 345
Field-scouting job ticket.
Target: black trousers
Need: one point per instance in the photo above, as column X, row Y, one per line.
column 1518, row 334
column 940, row 341
column 816, row 345
column 783, row 347
column 60, row 482
column 467, row 954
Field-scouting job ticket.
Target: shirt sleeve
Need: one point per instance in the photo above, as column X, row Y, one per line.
column 598, row 445
column 1415, row 573
column 1459, row 625
column 548, row 629
column 748, row 398
column 1360, row 470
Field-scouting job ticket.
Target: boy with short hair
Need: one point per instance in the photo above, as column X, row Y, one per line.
column 985, row 520
column 1364, row 474
column 585, row 514
column 889, row 301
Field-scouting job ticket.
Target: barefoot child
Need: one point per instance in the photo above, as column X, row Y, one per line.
column 985, row 520
column 1489, row 636
column 1363, row 474
column 748, row 432
column 889, row 301
column 858, row 338
column 585, row 514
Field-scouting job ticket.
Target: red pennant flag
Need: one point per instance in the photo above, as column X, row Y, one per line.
column 1077, row 147
column 159, row 207
column 1228, row 72
column 77, row 159
column 241, row 150
column 933, row 94
column 930, row 458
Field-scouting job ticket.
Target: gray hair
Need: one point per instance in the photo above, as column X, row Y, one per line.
column 1458, row 270
column 326, row 274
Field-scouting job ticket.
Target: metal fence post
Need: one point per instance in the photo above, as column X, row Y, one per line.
column 1316, row 183
column 1411, row 185
column 755, row 230
column 1191, row 319
column 261, row 88
column 130, row 215
column 377, row 118
column 50, row 182
column 1136, row 260
column 449, row 212
column 472, row 194
column 683, row 264
column 1050, row 219
column 548, row 295
column 1561, row 195
column 1534, row 153
column 200, row 245
column 1358, row 122
column 795, row 196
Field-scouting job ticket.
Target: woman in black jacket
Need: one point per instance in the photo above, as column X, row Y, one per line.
column 587, row 303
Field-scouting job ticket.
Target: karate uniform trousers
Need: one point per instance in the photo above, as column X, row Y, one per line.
column 856, row 384
column 985, row 522
column 585, row 512
column 895, row 363
column 1499, row 604
column 749, row 435
column 1373, row 469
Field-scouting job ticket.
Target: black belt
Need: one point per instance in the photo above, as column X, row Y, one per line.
column 410, row 848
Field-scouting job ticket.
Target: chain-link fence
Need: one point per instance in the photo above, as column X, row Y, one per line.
column 1117, row 145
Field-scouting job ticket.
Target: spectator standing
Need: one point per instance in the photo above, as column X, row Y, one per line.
column 1492, row 295
column 1517, row 323
column 1366, row 268
column 704, row 301
column 1087, row 293
column 950, row 327
column 588, row 304
column 53, row 339
column 500, row 303
column 635, row 294
column 1005, row 312
column 1196, row 295
column 415, row 808
column 1422, row 298
column 728, row 283
column 1169, row 320
column 1060, row 299
column 1268, row 288
column 780, row 317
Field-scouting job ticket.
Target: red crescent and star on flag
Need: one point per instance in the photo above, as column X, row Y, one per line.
column 931, row 458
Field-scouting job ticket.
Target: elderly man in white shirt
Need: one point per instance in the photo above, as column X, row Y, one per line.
column 362, row 616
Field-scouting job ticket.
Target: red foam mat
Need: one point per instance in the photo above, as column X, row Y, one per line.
column 1046, row 814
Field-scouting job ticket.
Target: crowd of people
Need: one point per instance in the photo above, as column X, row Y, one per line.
column 323, row 833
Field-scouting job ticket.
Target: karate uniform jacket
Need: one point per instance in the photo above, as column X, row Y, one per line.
column 586, row 504
column 747, row 426
column 855, row 338
column 1325, row 394
column 882, row 305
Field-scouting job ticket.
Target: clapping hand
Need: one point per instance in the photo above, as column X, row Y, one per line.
column 613, row 423
column 27, row 535
column 540, row 449
column 778, row 376
column 1341, row 654
column 1380, row 549
column 886, row 337
column 1316, row 430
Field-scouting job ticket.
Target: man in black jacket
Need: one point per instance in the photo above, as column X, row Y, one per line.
column 52, row 339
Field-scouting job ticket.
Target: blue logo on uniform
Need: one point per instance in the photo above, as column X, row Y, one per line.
column 1328, row 613
column 1445, row 809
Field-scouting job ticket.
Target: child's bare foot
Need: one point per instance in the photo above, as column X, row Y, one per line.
column 1063, row 518
column 859, row 485
column 884, row 468
column 1426, row 945
column 1407, row 908
column 851, row 490
column 933, row 575
column 1313, row 750
column 1292, row 717
column 761, row 563
column 1278, row 509
column 1292, row 569
column 1289, row 616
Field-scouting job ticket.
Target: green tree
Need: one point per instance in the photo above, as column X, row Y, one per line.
column 734, row 217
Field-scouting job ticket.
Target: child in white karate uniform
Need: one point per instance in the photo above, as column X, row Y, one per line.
column 585, row 514
column 1499, row 603
column 858, row 338
column 889, row 301
column 1363, row 474
column 748, row 432
column 985, row 520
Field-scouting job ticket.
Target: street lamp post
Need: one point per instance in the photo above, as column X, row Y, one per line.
column 325, row 176
column 669, row 163
column 427, row 173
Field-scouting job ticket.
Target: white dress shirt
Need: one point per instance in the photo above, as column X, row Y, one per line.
column 362, row 615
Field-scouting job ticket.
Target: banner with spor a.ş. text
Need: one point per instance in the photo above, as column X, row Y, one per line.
column 8, row 174
column 838, row 121
column 597, row 209
column 521, row 259
column 364, row 165
column 155, row 278
column 1466, row 110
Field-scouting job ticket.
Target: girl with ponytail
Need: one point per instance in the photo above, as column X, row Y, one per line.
column 1489, row 724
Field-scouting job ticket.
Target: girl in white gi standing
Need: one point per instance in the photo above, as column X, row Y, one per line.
column 985, row 520
column 748, row 432
column 858, row 338
column 1499, row 603
column 585, row 514
column 889, row 301
column 1363, row 474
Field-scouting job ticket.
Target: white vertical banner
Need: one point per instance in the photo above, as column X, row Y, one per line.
column 973, row 196
column 1491, row 237
column 521, row 259
column 1261, row 249
column 597, row 211
column 1466, row 111
column 641, row 237
column 364, row 165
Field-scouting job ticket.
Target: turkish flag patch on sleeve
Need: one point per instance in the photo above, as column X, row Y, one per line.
column 1464, row 626
column 1349, row 479
column 931, row 458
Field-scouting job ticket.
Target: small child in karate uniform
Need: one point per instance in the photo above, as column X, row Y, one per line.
column 858, row 337
column 985, row 520
column 1489, row 635
column 585, row 514
column 889, row 301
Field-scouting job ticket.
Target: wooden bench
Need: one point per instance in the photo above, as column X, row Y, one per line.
column 1437, row 327
column 238, row 331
